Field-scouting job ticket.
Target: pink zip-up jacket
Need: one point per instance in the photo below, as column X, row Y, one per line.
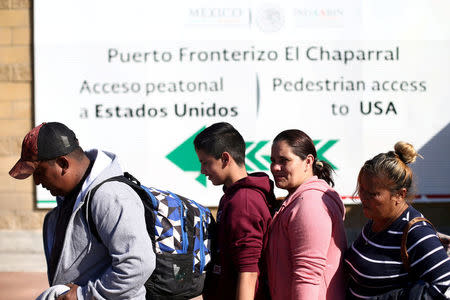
column 306, row 245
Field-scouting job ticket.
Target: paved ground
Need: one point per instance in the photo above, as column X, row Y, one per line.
column 22, row 285
column 22, row 265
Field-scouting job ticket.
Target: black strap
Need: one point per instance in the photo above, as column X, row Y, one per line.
column 131, row 181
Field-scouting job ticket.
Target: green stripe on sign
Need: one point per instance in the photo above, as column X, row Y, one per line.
column 46, row 204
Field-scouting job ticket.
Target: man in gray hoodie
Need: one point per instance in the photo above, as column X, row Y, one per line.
column 79, row 266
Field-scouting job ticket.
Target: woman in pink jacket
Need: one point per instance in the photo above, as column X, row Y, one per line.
column 306, row 239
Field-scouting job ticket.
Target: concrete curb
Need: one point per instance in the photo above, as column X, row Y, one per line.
column 21, row 251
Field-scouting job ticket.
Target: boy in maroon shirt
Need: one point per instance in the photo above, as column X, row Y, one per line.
column 243, row 216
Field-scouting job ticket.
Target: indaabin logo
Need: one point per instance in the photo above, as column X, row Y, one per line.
column 319, row 17
column 257, row 155
column 319, row 12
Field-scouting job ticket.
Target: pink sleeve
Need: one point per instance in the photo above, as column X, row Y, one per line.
column 309, row 229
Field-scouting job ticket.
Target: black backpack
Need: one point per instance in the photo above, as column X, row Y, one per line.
column 180, row 262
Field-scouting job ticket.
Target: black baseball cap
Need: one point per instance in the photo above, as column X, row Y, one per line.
column 44, row 142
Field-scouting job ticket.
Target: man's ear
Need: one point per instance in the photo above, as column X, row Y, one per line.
column 63, row 163
column 226, row 159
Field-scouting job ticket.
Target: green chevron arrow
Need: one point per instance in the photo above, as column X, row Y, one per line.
column 323, row 149
column 186, row 159
column 251, row 155
column 247, row 145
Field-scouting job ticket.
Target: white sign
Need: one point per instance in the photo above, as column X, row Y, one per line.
column 141, row 78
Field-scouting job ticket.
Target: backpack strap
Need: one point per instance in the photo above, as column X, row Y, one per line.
column 88, row 210
column 131, row 181
column 187, row 220
column 404, row 253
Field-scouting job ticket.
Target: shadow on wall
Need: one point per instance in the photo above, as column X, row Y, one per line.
column 433, row 172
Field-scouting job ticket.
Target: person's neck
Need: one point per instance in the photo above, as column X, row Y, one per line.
column 236, row 174
column 84, row 166
column 80, row 174
column 381, row 224
column 307, row 177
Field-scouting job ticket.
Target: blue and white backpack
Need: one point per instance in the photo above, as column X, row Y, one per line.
column 181, row 231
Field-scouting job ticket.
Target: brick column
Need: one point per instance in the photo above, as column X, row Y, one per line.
column 17, row 199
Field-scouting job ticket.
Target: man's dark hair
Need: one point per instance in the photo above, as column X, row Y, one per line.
column 77, row 154
column 219, row 138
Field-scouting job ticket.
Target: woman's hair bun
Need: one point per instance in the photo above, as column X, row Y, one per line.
column 406, row 152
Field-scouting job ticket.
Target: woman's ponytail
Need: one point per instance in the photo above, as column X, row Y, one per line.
column 323, row 170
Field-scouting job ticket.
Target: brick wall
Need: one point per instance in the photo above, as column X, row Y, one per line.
column 16, row 113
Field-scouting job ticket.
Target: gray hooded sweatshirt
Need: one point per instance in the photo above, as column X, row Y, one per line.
column 118, row 266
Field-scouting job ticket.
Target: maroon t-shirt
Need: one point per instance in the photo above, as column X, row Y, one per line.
column 243, row 219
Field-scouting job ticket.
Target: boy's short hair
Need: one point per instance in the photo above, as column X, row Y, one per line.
column 219, row 138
